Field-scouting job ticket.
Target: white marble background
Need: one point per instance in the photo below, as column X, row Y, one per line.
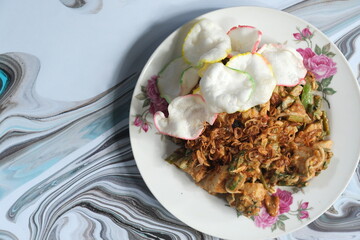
column 66, row 168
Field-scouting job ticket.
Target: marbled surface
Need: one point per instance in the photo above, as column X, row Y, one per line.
column 66, row 165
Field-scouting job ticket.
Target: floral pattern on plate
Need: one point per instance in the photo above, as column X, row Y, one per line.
column 318, row 61
column 152, row 103
column 264, row 220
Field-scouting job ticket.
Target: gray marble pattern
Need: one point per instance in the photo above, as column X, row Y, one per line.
column 66, row 164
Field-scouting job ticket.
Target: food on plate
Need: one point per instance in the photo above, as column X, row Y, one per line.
column 244, row 39
column 206, row 42
column 286, row 63
column 243, row 156
column 245, row 123
column 226, row 89
column 188, row 80
column 176, row 79
column 187, row 115
column 259, row 68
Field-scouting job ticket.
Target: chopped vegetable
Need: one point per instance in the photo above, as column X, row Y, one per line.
column 307, row 96
column 325, row 122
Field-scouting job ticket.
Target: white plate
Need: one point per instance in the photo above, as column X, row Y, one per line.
column 208, row 214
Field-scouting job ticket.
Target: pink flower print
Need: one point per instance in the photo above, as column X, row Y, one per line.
column 286, row 200
column 321, row 65
column 138, row 121
column 306, row 53
column 151, row 89
column 306, row 33
column 157, row 103
column 297, row 36
column 304, row 205
column 145, row 127
column 303, row 214
column 264, row 219
column 159, row 106
column 141, row 122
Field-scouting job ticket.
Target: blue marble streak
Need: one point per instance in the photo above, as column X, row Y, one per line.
column 97, row 192
column 343, row 14
column 5, row 235
column 42, row 125
column 5, row 79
